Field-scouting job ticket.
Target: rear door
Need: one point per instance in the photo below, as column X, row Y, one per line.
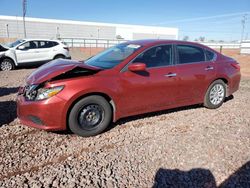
column 153, row 89
column 44, row 50
column 195, row 72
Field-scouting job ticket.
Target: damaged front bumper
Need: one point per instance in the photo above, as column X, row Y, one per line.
column 46, row 114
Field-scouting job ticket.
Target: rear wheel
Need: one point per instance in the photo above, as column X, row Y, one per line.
column 215, row 95
column 90, row 116
column 59, row 57
column 6, row 65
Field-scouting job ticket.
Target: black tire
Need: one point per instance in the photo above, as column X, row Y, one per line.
column 79, row 120
column 213, row 101
column 6, row 65
column 59, row 56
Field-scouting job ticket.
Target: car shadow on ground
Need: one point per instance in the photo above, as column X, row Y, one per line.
column 7, row 90
column 7, row 112
column 199, row 177
column 7, row 108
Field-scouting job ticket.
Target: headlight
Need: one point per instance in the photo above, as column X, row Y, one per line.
column 45, row 93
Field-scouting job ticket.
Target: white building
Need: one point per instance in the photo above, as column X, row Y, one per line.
column 245, row 47
column 12, row 27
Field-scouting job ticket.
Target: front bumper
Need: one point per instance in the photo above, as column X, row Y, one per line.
column 46, row 114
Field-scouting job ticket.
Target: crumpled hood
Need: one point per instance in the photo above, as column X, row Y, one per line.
column 3, row 48
column 55, row 68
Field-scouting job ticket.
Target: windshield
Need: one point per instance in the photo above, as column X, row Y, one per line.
column 13, row 44
column 112, row 56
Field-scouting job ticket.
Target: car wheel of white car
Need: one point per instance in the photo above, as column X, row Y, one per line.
column 6, row 65
column 59, row 57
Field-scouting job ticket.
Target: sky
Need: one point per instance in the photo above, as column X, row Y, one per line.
column 212, row 19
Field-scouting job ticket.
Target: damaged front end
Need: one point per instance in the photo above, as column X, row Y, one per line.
column 37, row 88
column 76, row 72
column 38, row 92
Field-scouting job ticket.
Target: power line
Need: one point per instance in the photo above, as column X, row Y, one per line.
column 208, row 31
column 202, row 18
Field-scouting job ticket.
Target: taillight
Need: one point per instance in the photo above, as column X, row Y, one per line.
column 236, row 66
column 66, row 48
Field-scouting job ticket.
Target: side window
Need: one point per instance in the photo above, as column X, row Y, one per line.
column 156, row 57
column 47, row 44
column 54, row 44
column 190, row 54
column 42, row 44
column 209, row 55
column 31, row 45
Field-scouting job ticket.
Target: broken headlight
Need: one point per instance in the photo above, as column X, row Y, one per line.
column 34, row 93
column 45, row 93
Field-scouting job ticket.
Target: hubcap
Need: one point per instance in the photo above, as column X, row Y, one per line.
column 6, row 66
column 216, row 94
column 90, row 116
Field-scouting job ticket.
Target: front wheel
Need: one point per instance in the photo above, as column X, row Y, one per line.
column 215, row 95
column 90, row 116
column 6, row 65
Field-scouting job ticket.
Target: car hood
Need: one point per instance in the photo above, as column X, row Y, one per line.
column 58, row 68
column 3, row 48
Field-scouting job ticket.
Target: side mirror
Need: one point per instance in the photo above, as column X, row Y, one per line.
column 21, row 47
column 137, row 67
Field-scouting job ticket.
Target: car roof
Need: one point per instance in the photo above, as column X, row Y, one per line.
column 153, row 42
column 29, row 39
column 150, row 42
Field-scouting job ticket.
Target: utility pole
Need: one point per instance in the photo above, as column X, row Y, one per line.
column 243, row 22
column 98, row 32
column 24, row 14
column 57, row 33
column 7, row 30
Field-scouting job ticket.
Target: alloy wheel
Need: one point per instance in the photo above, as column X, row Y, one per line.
column 6, row 65
column 216, row 94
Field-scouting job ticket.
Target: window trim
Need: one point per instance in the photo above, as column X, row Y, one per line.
column 173, row 60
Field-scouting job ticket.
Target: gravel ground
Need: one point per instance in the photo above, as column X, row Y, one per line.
column 184, row 147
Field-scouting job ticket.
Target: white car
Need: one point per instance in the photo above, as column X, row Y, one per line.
column 25, row 52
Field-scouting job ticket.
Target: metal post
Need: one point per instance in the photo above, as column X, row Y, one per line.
column 243, row 22
column 72, row 42
column 220, row 49
column 7, row 30
column 57, row 33
column 24, row 13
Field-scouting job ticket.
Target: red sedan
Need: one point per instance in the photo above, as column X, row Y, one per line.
column 132, row 78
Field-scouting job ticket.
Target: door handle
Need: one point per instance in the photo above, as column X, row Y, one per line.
column 209, row 68
column 171, row 75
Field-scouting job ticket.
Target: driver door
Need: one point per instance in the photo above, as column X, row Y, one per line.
column 153, row 89
column 28, row 53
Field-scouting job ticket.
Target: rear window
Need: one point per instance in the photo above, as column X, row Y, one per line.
column 209, row 55
column 190, row 54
